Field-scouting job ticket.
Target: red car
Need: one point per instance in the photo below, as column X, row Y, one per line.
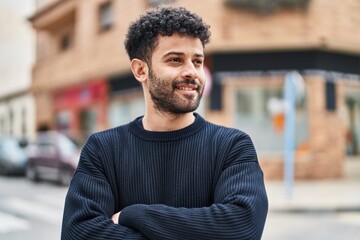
column 53, row 156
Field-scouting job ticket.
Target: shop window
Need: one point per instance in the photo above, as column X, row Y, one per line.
column 126, row 110
column 63, row 120
column 244, row 100
column 264, row 123
column 87, row 122
column 351, row 117
column 106, row 16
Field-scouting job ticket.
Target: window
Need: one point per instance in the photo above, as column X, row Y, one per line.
column 88, row 122
column 261, row 6
column 66, row 41
column 63, row 120
column 125, row 110
column 106, row 16
column 154, row 3
column 252, row 115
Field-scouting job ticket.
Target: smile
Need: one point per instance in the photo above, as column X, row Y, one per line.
column 186, row 88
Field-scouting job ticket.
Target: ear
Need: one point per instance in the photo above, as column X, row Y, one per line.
column 139, row 69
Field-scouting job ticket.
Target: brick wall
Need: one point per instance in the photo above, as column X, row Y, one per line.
column 325, row 25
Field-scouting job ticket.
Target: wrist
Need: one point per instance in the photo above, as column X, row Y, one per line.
column 115, row 217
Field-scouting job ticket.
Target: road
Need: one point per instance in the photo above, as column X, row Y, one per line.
column 319, row 209
column 312, row 226
column 29, row 210
column 34, row 211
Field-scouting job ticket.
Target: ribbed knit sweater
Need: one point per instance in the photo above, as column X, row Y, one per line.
column 199, row 182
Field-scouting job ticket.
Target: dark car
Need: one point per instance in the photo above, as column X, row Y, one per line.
column 53, row 156
column 12, row 157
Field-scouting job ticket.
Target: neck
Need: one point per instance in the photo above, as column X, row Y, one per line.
column 161, row 122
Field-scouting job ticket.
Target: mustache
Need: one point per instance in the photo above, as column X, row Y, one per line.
column 187, row 81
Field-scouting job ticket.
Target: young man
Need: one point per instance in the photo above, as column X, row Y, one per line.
column 168, row 174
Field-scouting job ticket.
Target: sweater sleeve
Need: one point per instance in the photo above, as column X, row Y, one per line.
column 239, row 210
column 89, row 203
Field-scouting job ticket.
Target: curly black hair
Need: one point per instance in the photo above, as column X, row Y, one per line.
column 142, row 35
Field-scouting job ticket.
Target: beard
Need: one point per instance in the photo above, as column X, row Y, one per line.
column 163, row 93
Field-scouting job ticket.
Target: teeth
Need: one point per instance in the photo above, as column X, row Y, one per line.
column 185, row 88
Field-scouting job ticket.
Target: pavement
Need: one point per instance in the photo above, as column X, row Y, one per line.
column 336, row 195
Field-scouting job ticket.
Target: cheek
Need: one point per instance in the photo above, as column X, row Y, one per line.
column 201, row 77
column 160, row 82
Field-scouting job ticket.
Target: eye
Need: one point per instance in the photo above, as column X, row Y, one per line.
column 176, row 60
column 198, row 62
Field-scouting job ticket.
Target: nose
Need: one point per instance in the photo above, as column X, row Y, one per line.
column 189, row 71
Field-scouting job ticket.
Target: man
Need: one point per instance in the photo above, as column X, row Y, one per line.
column 168, row 174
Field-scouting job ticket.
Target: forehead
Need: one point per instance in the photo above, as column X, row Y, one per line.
column 180, row 44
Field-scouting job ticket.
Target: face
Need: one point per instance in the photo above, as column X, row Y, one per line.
column 176, row 74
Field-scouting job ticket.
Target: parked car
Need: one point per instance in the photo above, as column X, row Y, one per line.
column 52, row 156
column 12, row 157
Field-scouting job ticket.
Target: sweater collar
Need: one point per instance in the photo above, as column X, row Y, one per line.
column 136, row 128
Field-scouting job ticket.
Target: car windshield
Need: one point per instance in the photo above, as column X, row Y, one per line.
column 64, row 144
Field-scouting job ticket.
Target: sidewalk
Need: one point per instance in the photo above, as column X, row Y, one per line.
column 340, row 195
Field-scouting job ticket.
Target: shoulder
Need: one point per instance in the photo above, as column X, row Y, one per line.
column 233, row 143
column 108, row 136
column 226, row 133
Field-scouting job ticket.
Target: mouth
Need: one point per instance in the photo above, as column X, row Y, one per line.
column 187, row 86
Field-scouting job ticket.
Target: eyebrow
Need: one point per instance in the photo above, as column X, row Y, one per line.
column 181, row 54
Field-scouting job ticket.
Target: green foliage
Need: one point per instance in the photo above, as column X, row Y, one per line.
column 267, row 6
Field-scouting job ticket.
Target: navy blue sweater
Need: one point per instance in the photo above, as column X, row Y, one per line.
column 200, row 182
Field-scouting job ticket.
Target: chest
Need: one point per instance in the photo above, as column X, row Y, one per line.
column 175, row 175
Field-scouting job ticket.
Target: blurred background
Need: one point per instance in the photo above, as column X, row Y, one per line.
column 287, row 72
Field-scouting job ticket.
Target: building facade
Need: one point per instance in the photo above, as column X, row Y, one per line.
column 17, row 47
column 82, row 82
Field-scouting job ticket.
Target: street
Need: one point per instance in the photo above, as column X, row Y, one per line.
column 34, row 211
column 30, row 210
column 312, row 226
column 318, row 210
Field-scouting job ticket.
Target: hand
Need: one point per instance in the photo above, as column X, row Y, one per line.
column 115, row 218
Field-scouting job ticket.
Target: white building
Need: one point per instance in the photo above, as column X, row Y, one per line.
column 17, row 48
